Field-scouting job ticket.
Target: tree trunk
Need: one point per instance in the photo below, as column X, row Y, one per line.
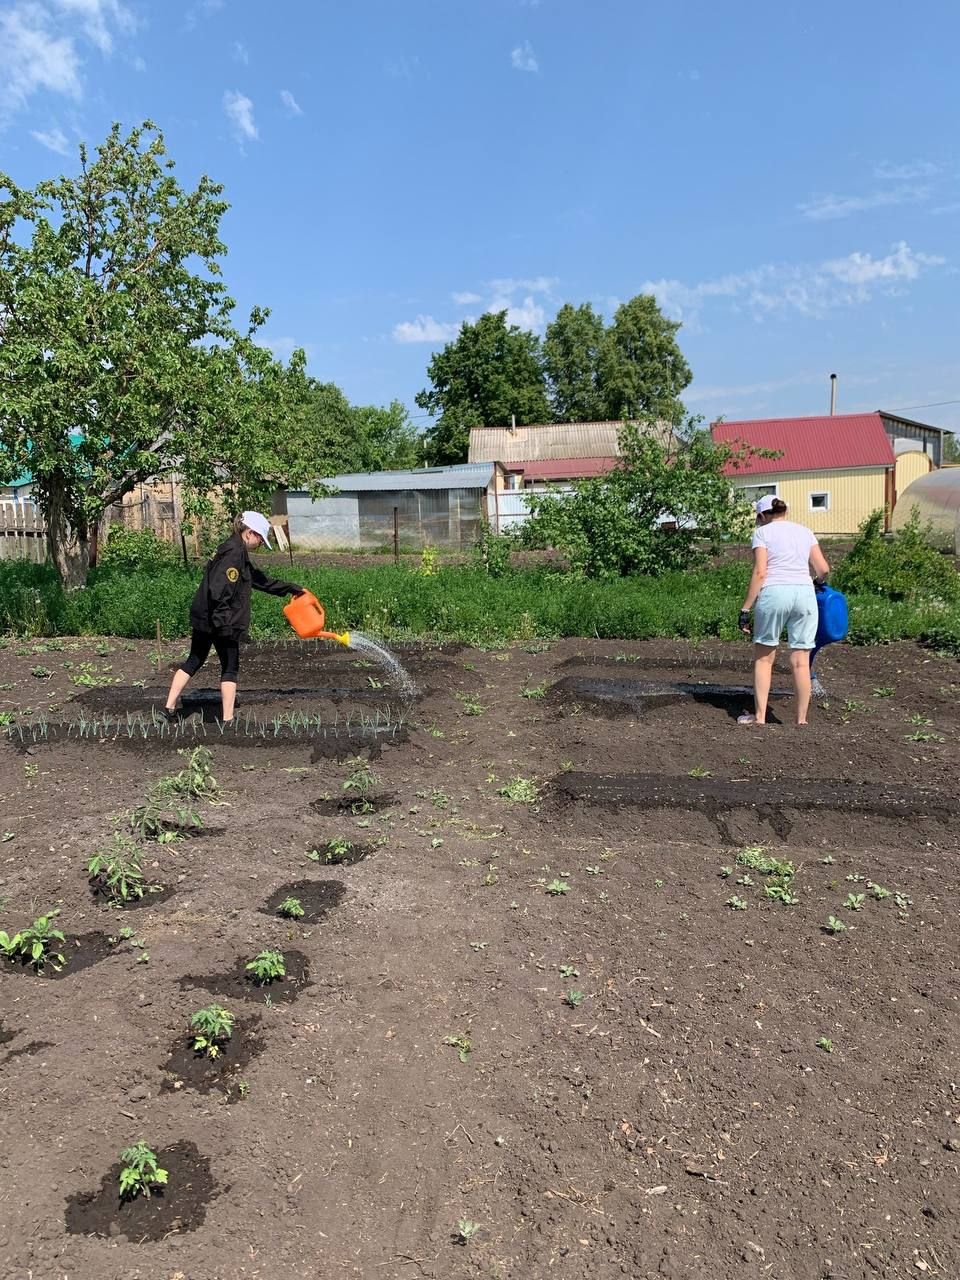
column 67, row 546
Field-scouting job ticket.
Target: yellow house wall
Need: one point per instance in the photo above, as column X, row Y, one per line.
column 853, row 495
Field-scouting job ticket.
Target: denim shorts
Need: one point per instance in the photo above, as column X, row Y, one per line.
column 793, row 609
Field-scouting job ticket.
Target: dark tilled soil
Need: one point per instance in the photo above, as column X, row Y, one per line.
column 317, row 899
column 743, row 1089
column 185, row 1068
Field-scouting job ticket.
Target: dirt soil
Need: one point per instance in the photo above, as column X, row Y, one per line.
column 570, row 1034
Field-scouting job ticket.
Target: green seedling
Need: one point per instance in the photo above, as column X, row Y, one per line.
column 31, row 770
column 574, row 999
column 124, row 935
column 737, row 904
column 242, row 1089
column 826, row 1044
column 41, row 673
column 462, row 1044
column 439, row 799
column 195, row 782
column 211, row 1027
column 333, row 852
column 884, row 691
column 7, row 717
column 520, row 791
column 465, row 1231
column 834, row 925
column 267, row 966
column 919, row 720
column 698, row 771
column 569, row 971
column 536, row 691
column 924, row 735
column 829, row 860
column 726, row 872
column 594, row 871
column 140, row 1173
column 37, row 944
column 746, row 880
column 471, row 706
column 877, row 891
column 117, row 871
column 854, row 901
column 902, row 901
column 780, row 892
column 362, row 780
column 292, row 908
column 556, row 888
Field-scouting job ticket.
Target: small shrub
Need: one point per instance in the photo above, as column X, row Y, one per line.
column 520, row 791
column 211, row 1027
column 136, row 550
column 902, row 567
column 117, row 871
column 36, row 944
column 267, row 966
column 292, row 908
column 140, row 1172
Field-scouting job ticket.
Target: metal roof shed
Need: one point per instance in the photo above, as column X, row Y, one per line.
column 434, row 506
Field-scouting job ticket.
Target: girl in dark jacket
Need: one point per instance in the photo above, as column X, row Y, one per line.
column 220, row 612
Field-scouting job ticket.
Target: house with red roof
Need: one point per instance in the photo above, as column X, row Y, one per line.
column 832, row 471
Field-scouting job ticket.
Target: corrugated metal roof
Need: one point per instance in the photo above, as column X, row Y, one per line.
column 543, row 440
column 466, row 476
column 836, row 442
column 565, row 468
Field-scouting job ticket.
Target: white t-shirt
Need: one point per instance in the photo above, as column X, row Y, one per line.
column 788, row 552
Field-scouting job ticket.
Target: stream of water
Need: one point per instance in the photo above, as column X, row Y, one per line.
column 389, row 661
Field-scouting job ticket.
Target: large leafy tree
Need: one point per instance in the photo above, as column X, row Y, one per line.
column 119, row 361
column 490, row 372
column 385, row 437
column 951, row 448
column 641, row 370
column 665, row 506
column 571, row 352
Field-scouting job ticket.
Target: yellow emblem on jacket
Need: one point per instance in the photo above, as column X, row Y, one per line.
column 233, row 574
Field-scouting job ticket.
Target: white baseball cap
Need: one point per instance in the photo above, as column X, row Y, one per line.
column 762, row 507
column 258, row 523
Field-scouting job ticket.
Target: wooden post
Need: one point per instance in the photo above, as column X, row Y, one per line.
column 396, row 535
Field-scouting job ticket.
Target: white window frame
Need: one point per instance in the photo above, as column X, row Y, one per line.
column 819, row 493
column 754, row 492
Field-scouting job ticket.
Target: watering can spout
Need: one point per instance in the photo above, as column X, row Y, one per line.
column 341, row 637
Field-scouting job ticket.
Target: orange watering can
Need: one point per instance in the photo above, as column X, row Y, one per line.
column 305, row 615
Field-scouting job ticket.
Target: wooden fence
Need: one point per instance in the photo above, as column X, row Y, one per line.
column 23, row 534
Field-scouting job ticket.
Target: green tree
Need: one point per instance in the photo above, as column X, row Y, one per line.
column 385, row 437
column 665, row 506
column 571, row 352
column 951, row 448
column 641, row 369
column 119, row 361
column 491, row 371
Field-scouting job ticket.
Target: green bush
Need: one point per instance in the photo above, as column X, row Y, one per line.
column 136, row 549
column 904, row 567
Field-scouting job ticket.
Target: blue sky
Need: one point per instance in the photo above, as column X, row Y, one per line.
column 784, row 177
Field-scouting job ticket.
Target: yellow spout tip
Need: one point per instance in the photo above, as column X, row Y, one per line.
column 344, row 639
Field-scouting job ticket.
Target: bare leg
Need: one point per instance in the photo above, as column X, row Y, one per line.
column 228, row 695
column 177, row 685
column 800, row 666
column 764, row 655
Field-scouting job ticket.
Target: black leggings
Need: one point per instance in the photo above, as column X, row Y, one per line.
column 228, row 651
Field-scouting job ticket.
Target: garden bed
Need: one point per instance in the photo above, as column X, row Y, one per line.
column 644, row 994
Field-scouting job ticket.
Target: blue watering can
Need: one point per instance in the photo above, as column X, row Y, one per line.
column 832, row 626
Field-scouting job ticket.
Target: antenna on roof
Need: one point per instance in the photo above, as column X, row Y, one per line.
column 833, row 394
column 513, row 423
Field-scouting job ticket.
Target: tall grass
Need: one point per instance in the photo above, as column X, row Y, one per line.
column 454, row 604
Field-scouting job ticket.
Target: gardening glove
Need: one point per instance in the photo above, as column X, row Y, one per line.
column 744, row 623
column 820, row 583
column 296, row 591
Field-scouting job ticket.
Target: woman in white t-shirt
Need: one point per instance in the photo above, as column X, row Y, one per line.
column 783, row 592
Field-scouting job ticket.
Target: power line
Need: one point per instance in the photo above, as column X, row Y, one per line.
column 934, row 404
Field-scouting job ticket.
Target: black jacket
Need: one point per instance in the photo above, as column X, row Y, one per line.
column 221, row 606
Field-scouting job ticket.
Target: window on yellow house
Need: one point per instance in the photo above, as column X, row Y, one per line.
column 819, row 501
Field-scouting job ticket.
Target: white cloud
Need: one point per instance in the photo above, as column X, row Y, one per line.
column 906, row 172
column 139, row 64
column 810, row 289
column 53, row 139
column 97, row 16
column 33, row 57
column 424, row 329
column 523, row 58
column 241, row 53
column 40, row 45
column 466, row 298
column 526, row 314
column 826, row 207
column 537, row 284
column 290, row 102
column 239, row 110
column 954, row 207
